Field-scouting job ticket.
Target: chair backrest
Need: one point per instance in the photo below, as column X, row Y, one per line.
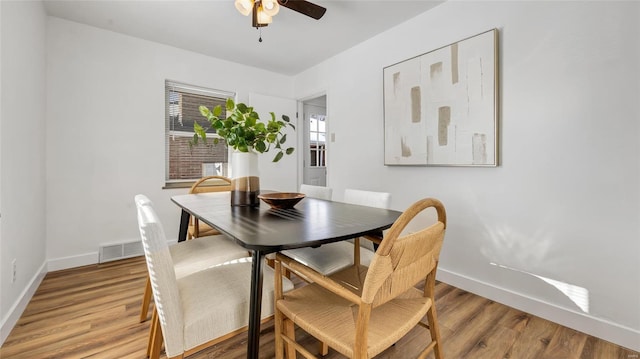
column 316, row 191
column 367, row 198
column 161, row 272
column 370, row 199
column 401, row 262
column 204, row 185
column 211, row 184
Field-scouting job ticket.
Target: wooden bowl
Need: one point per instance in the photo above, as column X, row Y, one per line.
column 281, row 200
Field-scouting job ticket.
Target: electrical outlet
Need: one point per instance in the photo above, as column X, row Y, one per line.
column 14, row 270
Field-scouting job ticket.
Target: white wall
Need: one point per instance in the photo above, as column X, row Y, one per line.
column 105, row 131
column 282, row 175
column 22, row 146
column 565, row 202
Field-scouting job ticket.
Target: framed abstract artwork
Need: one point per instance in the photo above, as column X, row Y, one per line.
column 441, row 107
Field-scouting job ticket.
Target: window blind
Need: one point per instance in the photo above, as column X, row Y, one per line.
column 184, row 162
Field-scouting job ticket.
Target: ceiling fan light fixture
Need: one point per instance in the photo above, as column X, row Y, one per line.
column 262, row 11
column 262, row 17
column 270, row 7
column 244, row 6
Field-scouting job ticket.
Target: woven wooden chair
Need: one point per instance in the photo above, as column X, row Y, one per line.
column 203, row 308
column 204, row 185
column 330, row 258
column 361, row 311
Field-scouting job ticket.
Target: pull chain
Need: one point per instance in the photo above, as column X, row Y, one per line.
column 260, row 38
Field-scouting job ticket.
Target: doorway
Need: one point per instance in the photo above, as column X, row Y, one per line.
column 314, row 142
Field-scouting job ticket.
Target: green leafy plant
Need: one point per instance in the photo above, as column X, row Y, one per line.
column 243, row 130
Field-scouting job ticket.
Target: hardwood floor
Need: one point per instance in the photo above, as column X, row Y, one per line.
column 92, row 312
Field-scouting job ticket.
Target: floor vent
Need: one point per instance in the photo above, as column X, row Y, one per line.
column 112, row 252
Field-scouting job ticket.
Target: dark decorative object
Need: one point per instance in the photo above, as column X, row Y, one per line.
column 281, row 200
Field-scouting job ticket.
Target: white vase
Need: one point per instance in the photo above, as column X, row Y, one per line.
column 245, row 182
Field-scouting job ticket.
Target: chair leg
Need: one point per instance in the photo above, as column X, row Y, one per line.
column 432, row 318
column 356, row 251
column 278, row 316
column 324, row 348
column 155, row 337
column 278, row 334
column 285, row 272
column 196, row 229
column 146, row 300
column 434, row 328
column 290, row 331
column 152, row 332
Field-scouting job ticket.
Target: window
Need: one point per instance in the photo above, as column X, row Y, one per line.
column 317, row 134
column 185, row 163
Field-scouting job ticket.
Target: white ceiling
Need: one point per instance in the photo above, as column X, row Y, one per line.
column 291, row 44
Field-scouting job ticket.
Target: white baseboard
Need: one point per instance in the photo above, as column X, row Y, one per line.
column 73, row 261
column 21, row 304
column 597, row 327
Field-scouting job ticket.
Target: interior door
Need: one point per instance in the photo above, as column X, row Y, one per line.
column 315, row 141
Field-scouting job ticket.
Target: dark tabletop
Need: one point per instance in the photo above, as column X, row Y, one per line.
column 310, row 223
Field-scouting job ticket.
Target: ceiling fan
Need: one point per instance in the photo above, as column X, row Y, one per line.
column 264, row 10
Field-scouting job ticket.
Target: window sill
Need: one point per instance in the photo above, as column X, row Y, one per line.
column 174, row 185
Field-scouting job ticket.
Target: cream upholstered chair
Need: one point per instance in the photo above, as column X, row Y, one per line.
column 201, row 308
column 192, row 256
column 361, row 311
column 320, row 192
column 333, row 257
column 371, row 199
column 203, row 185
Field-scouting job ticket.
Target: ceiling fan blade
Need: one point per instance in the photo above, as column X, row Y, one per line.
column 304, row 7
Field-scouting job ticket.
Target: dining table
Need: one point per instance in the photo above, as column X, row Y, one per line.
column 262, row 230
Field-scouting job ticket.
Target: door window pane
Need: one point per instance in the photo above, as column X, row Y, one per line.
column 317, row 140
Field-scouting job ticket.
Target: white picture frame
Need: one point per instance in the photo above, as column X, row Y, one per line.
column 441, row 107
